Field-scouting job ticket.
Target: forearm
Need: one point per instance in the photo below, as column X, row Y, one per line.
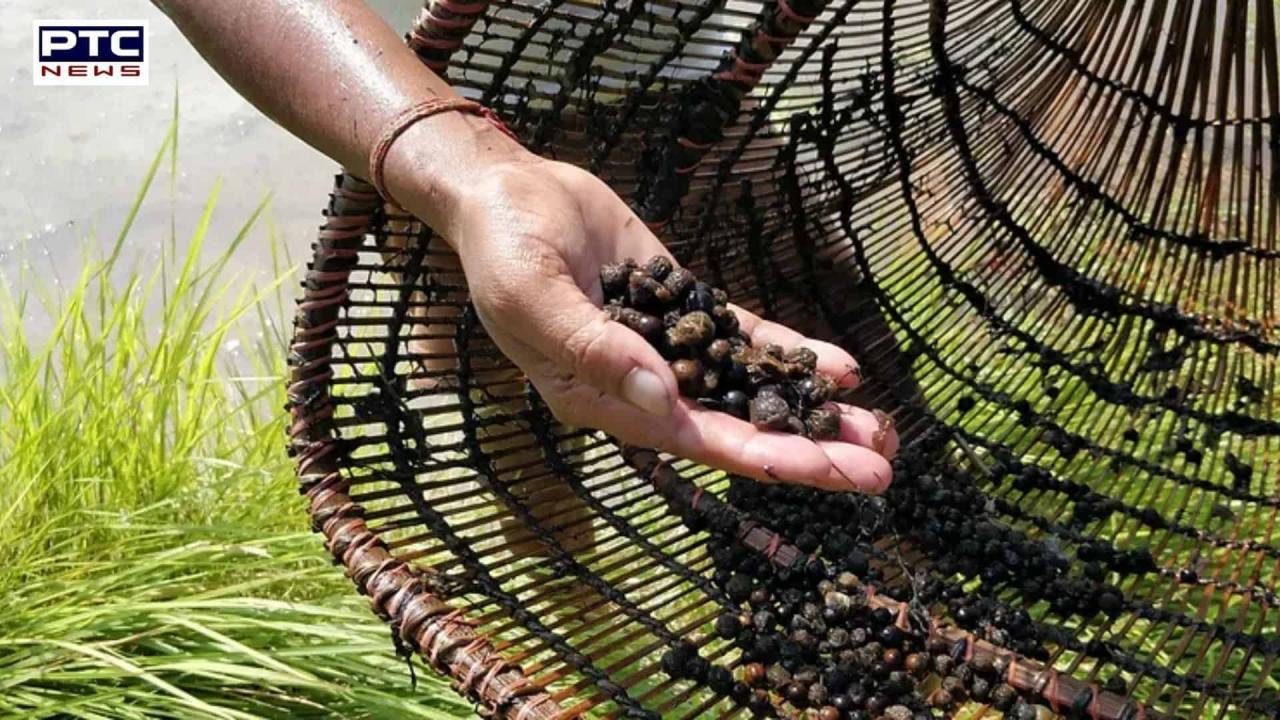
column 333, row 73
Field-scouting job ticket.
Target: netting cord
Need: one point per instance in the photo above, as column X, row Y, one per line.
column 542, row 429
column 894, row 114
column 441, row 28
column 1087, row 295
column 704, row 110
column 398, row 593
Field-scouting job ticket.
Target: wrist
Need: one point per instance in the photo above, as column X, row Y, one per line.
column 437, row 165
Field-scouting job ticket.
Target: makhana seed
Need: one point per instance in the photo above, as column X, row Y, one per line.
column 694, row 328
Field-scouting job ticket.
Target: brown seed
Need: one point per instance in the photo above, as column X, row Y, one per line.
column 613, row 279
column 828, row 712
column 943, row 664
column 679, row 282
column 940, row 699
column 770, row 412
column 803, row 358
column 936, row 645
column 916, row 663
column 762, row 367
column 694, row 330
column 796, row 426
column 777, row 676
column 726, row 320
column 644, row 291
column 892, row 658
column 953, row 685
column 983, row 663
column 719, row 350
column 689, row 376
column 646, row 325
column 753, row 674
column 838, row 602
column 823, row 423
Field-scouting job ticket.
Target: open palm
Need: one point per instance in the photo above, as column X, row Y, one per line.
column 532, row 243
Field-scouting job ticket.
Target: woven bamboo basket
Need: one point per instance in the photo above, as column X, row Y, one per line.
column 1046, row 228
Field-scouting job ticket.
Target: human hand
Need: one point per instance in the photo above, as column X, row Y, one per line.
column 532, row 235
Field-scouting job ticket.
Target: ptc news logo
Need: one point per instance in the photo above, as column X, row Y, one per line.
column 90, row 52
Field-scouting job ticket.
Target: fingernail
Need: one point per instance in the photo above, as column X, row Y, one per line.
column 645, row 390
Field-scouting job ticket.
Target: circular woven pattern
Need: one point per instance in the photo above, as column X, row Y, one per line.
column 1047, row 230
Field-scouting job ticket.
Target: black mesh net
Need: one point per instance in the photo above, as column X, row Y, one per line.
column 1047, row 230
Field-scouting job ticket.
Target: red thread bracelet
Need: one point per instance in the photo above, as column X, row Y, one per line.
column 404, row 119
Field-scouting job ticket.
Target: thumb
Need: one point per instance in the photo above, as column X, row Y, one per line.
column 602, row 353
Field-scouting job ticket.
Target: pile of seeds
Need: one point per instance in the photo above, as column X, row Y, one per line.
column 810, row 643
column 714, row 362
column 809, row 639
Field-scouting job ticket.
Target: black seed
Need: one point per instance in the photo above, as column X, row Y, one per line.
column 739, row 587
column 735, row 403
column 728, row 625
column 700, row 299
column 1003, row 697
column 890, row 636
column 613, row 279
column 658, row 267
column 726, row 320
column 797, row 694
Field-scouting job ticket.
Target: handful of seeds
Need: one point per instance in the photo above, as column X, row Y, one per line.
column 694, row 328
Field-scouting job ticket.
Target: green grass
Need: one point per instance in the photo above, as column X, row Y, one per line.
column 154, row 554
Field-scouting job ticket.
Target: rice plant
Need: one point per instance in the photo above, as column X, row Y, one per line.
column 154, row 558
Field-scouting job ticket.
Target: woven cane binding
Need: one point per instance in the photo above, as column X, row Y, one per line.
column 1046, row 229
